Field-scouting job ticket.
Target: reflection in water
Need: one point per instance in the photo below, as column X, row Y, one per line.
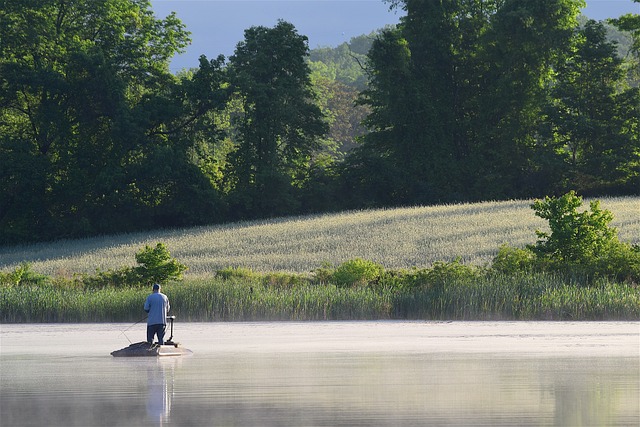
column 160, row 378
column 331, row 374
column 596, row 399
column 86, row 392
column 409, row 390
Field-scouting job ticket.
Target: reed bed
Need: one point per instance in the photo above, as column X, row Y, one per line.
column 396, row 238
column 51, row 303
column 496, row 297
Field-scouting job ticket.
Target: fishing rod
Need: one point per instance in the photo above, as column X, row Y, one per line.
column 123, row 332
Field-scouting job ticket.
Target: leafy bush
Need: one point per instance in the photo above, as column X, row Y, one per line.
column 282, row 280
column 357, row 272
column 575, row 237
column 621, row 263
column 22, row 275
column 155, row 266
column 580, row 244
column 442, row 273
column 510, row 260
column 111, row 278
column 404, row 280
column 434, row 278
column 324, row 274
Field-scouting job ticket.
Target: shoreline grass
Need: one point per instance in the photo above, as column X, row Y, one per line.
column 536, row 296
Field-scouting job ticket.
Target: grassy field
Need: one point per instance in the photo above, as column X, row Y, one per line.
column 395, row 238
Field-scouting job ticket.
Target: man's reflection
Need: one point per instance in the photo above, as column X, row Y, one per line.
column 160, row 378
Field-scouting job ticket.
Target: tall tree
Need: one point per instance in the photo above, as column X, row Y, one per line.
column 280, row 126
column 593, row 118
column 175, row 167
column 337, row 102
column 423, row 77
column 525, row 42
column 455, row 94
column 625, row 146
column 375, row 171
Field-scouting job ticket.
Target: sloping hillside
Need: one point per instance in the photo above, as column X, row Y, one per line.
column 396, row 238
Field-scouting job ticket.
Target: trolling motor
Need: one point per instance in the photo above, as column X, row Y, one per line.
column 170, row 340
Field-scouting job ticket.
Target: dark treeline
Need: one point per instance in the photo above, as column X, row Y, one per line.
column 495, row 99
column 464, row 100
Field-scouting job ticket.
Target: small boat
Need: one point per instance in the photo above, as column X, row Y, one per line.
column 141, row 349
column 147, row 349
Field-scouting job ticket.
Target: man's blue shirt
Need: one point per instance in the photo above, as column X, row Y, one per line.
column 157, row 305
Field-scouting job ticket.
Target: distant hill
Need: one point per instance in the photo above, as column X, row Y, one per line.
column 344, row 63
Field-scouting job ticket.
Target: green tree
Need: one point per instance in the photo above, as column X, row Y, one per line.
column 631, row 23
column 87, row 107
column 455, row 96
column 157, row 266
column 629, row 102
column 574, row 236
column 176, row 170
column 337, row 102
column 578, row 242
column 344, row 63
column 518, row 53
column 428, row 147
column 593, row 120
column 374, row 170
column 280, row 126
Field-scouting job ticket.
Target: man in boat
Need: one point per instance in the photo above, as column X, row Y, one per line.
column 157, row 305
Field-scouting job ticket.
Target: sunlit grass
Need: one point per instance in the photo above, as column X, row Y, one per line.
column 395, row 238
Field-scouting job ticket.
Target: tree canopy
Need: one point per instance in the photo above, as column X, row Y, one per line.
column 94, row 130
column 458, row 95
column 462, row 101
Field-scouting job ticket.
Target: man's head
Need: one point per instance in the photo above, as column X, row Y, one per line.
column 156, row 287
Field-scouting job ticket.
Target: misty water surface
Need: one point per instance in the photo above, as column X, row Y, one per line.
column 325, row 374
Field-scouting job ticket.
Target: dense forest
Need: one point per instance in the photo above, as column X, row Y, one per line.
column 462, row 101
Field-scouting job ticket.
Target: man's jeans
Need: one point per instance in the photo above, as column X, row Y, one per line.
column 156, row 330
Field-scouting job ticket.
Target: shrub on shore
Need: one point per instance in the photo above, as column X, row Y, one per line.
column 580, row 245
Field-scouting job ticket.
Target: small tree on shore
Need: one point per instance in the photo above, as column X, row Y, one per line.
column 157, row 266
column 582, row 242
column 575, row 237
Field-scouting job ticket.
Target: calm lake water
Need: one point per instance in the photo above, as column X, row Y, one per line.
column 325, row 374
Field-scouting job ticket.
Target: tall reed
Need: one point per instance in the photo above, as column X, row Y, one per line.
column 242, row 300
column 52, row 303
column 492, row 296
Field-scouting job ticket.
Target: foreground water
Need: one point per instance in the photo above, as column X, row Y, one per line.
column 325, row 374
